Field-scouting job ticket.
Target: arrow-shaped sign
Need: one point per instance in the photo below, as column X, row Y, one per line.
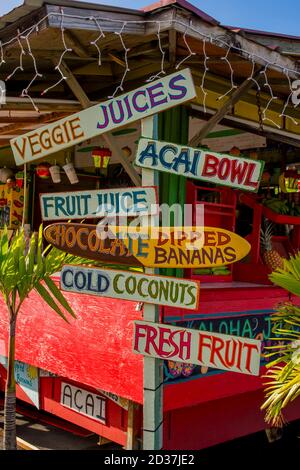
column 162, row 247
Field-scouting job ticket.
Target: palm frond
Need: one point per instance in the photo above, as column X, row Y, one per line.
column 283, row 375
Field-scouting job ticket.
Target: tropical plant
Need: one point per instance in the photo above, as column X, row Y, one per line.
column 283, row 376
column 24, row 267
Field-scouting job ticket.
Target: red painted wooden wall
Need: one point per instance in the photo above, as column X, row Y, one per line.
column 95, row 349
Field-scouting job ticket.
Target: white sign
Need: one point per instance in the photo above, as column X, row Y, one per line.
column 232, row 353
column 84, row 402
column 149, row 99
column 130, row 285
column 227, row 170
column 99, row 203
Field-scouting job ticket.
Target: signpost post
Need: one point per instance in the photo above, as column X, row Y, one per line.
column 153, row 367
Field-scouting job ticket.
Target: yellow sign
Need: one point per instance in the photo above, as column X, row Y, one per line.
column 183, row 247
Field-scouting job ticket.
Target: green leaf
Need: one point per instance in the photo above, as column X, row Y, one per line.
column 49, row 300
column 58, row 295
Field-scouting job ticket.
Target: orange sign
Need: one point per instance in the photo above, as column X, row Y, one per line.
column 183, row 247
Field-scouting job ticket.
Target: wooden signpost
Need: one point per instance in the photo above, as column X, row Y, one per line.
column 184, row 247
column 169, row 247
column 147, row 100
column 231, row 353
column 129, row 285
column 82, row 240
column 99, row 203
column 226, row 170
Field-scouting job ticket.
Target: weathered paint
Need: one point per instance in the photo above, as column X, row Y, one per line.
column 27, row 377
column 82, row 240
column 83, row 401
column 232, row 353
column 183, row 247
column 129, row 285
column 93, row 350
column 99, row 203
column 227, row 170
column 147, row 100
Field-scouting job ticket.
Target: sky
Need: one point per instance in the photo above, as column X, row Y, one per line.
column 280, row 16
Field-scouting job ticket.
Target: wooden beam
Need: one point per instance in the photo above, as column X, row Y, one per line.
column 219, row 115
column 86, row 103
column 75, row 86
column 75, row 44
column 172, row 46
column 15, row 119
column 130, row 426
column 38, row 120
column 252, row 127
column 93, row 68
column 116, row 59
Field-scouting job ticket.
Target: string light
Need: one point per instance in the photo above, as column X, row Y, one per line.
column 287, row 102
column 66, row 49
column 2, row 60
column 190, row 52
column 95, row 42
column 20, row 66
column 162, row 62
column 25, row 91
column 206, row 69
column 252, row 74
column 127, row 69
column 267, row 84
column 188, row 29
column 233, row 86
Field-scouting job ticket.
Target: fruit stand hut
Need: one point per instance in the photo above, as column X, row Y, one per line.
column 60, row 58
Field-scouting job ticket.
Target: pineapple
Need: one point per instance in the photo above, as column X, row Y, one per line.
column 271, row 257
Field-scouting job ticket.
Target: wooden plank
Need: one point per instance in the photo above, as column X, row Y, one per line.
column 93, row 68
column 218, row 116
column 192, row 346
column 22, row 123
column 116, row 16
column 172, row 47
column 130, row 427
column 116, row 59
column 74, row 85
column 184, row 247
column 75, row 44
column 131, row 285
column 109, row 250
